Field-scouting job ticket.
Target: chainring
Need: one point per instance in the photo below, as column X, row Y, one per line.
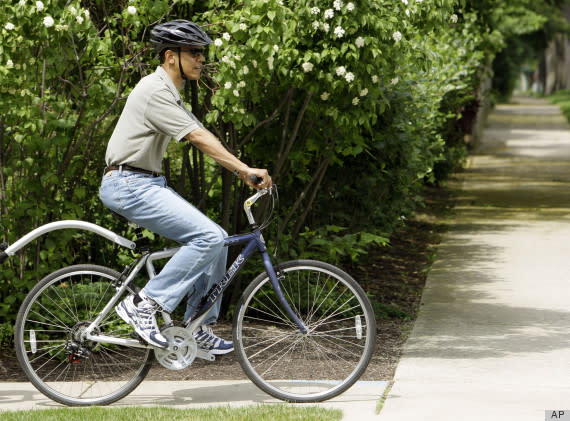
column 182, row 350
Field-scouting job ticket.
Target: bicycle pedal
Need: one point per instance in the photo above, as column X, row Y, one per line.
column 205, row 355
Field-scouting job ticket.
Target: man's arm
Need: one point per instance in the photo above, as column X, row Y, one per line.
column 204, row 140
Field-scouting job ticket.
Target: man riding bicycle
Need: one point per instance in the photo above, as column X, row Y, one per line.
column 133, row 187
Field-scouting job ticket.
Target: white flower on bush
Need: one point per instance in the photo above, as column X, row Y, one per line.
column 395, row 81
column 408, row 12
column 9, row 64
column 254, row 63
column 326, row 27
column 132, row 10
column 374, row 79
column 236, row 92
column 307, row 66
column 338, row 4
column 241, row 84
column 228, row 85
column 340, row 71
column 355, row 101
column 364, row 92
column 316, row 25
column 329, row 13
column 226, row 36
column 39, row 6
column 245, row 70
column 87, row 13
column 397, row 36
column 405, row 2
column 79, row 19
column 22, row 2
column 339, row 32
column 270, row 62
column 350, row 7
column 325, row 96
column 315, row 10
column 9, row 26
column 454, row 18
column 349, row 77
column 359, row 42
column 72, row 10
column 48, row 21
column 242, row 26
column 218, row 42
column 275, row 48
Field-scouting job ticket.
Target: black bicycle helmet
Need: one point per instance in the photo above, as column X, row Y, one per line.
column 178, row 33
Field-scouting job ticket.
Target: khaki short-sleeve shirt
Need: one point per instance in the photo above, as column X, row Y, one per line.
column 153, row 115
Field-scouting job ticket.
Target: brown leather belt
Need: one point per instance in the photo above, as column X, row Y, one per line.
column 126, row 167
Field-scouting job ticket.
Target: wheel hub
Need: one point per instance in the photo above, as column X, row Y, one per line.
column 182, row 350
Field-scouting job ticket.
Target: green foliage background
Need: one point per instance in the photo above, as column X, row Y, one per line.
column 351, row 105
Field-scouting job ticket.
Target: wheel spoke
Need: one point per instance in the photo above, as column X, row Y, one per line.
column 326, row 360
column 52, row 349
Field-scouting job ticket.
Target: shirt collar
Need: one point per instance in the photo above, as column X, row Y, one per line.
column 164, row 76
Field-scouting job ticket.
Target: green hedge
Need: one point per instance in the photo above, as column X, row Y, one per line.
column 351, row 105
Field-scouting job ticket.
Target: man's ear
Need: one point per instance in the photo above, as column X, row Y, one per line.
column 169, row 56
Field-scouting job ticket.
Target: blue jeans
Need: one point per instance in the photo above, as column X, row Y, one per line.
column 201, row 260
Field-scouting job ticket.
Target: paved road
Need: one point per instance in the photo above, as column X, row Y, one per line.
column 492, row 340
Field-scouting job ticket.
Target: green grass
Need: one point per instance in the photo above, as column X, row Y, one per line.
column 562, row 99
column 279, row 412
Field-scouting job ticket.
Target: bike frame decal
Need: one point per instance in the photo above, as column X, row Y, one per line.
column 254, row 242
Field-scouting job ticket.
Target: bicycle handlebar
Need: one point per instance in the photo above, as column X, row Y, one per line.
column 255, row 179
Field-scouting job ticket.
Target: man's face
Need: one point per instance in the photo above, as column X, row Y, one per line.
column 192, row 61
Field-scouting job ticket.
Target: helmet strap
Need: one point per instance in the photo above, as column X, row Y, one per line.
column 184, row 78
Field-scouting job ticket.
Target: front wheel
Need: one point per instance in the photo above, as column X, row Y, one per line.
column 50, row 348
column 320, row 364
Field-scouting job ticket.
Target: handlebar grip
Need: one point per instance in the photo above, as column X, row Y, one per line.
column 255, row 179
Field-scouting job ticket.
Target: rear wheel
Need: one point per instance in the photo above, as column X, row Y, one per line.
column 50, row 348
column 310, row 367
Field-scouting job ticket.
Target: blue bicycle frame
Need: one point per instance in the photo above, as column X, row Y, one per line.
column 254, row 242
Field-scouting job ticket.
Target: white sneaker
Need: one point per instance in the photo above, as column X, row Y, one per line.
column 207, row 341
column 142, row 318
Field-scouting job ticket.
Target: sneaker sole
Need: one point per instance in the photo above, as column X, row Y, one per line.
column 220, row 351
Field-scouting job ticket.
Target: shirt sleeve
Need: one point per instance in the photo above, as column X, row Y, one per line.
column 165, row 114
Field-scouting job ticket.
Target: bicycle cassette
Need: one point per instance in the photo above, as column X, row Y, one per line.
column 182, row 350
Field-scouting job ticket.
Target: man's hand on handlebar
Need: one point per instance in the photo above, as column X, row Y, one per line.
column 258, row 178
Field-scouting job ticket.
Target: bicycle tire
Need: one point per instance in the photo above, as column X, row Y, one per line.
column 310, row 367
column 64, row 369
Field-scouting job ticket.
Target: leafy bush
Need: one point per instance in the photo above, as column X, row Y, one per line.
column 351, row 105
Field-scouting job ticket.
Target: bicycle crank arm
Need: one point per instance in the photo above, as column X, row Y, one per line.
column 205, row 355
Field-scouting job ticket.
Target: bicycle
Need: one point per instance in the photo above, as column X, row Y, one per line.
column 75, row 349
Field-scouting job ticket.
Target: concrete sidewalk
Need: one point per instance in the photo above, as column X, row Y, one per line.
column 492, row 340
column 358, row 403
